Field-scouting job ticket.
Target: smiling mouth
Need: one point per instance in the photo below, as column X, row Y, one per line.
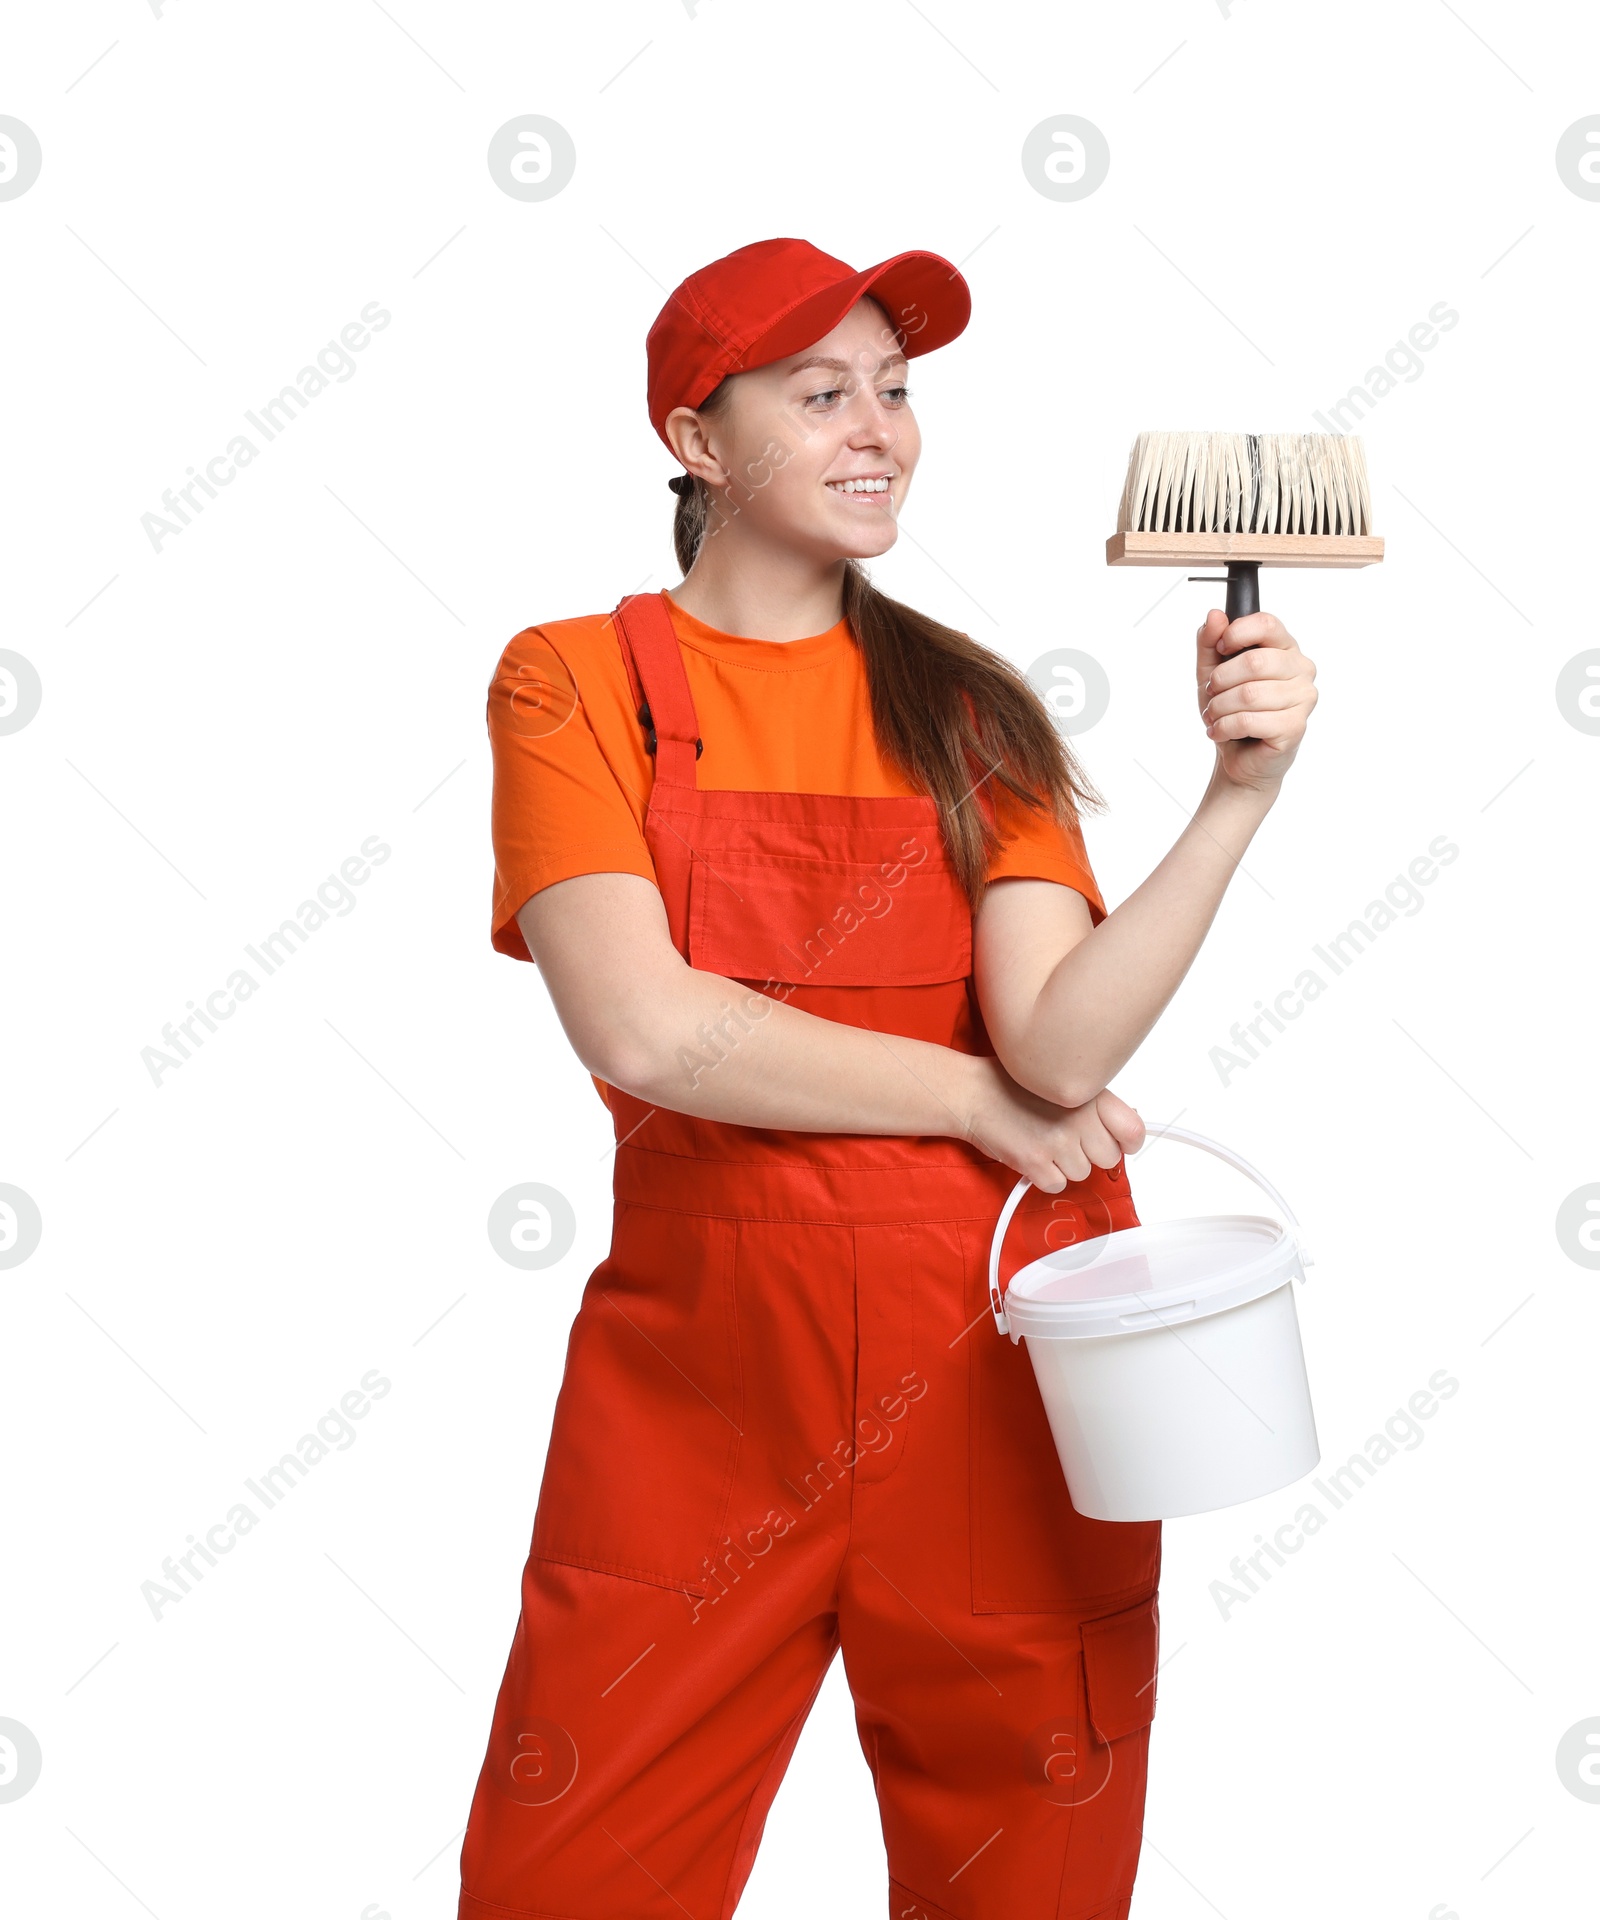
column 876, row 488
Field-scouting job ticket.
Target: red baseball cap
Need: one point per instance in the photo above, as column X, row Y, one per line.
column 774, row 297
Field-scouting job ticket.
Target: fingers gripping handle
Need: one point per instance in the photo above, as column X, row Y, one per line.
column 1014, row 1200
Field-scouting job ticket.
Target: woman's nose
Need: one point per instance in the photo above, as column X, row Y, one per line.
column 875, row 425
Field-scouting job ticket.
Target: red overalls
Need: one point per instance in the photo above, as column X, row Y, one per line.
column 787, row 1424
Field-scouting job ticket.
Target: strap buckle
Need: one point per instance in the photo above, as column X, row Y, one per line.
column 650, row 732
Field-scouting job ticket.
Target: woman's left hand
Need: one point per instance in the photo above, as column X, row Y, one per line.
column 1256, row 693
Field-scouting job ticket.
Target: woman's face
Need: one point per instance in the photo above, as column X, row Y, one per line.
column 779, row 453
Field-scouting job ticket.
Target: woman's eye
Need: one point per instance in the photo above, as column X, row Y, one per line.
column 896, row 396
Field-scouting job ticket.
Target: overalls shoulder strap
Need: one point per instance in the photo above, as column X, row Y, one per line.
column 655, row 671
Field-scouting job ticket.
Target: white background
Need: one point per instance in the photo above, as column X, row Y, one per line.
column 226, row 720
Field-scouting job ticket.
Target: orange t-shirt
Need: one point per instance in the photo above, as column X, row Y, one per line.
column 572, row 776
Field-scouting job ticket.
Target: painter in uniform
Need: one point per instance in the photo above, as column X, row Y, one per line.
column 803, row 872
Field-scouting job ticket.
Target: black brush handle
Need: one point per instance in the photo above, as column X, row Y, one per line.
column 1244, row 588
column 1244, row 596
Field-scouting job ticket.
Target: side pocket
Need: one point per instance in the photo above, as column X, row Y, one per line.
column 1032, row 1551
column 644, row 1441
column 1120, row 1655
column 1104, row 1781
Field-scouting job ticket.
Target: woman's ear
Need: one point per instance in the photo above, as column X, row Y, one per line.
column 687, row 435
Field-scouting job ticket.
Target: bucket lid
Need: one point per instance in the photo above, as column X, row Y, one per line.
column 1151, row 1276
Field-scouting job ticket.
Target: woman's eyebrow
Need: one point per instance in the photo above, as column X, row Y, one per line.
column 843, row 366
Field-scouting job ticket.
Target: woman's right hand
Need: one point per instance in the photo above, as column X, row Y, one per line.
column 1046, row 1144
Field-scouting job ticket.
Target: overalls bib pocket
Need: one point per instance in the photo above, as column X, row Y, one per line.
column 765, row 916
column 644, row 1442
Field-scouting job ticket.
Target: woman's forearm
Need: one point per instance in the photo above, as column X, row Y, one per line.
column 642, row 1019
column 1108, row 991
column 713, row 1047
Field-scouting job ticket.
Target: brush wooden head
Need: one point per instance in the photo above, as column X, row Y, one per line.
column 1285, row 499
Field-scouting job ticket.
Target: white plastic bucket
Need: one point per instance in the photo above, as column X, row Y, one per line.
column 1168, row 1356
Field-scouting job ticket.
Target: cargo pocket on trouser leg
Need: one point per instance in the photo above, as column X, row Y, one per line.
column 1094, row 1762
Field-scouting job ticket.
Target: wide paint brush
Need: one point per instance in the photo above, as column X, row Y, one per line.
column 1249, row 499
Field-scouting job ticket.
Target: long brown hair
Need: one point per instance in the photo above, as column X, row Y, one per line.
column 950, row 714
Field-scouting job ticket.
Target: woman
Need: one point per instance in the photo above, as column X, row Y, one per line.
column 803, row 873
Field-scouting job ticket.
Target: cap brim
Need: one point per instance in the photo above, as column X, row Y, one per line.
column 927, row 300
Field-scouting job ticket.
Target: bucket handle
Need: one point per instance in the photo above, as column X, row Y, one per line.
column 1158, row 1130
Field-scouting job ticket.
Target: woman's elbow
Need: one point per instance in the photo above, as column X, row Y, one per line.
column 1071, row 1090
column 619, row 1023
column 643, row 1056
column 1066, row 1083
column 621, row 1060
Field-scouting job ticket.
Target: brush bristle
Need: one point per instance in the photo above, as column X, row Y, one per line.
column 1246, row 483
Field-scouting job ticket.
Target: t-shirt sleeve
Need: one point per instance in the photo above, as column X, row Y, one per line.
column 1036, row 846
column 559, row 806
